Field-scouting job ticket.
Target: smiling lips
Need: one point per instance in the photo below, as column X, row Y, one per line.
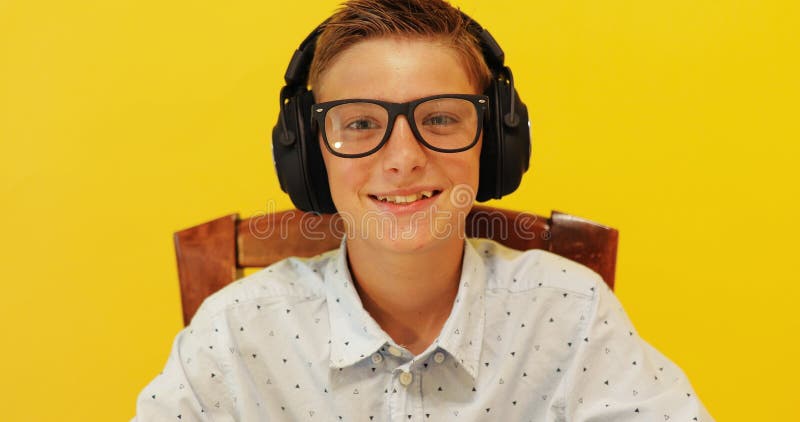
column 406, row 199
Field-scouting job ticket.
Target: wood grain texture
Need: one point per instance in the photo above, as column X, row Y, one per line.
column 585, row 241
column 206, row 257
column 265, row 239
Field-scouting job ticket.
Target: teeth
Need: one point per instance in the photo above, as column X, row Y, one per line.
column 405, row 199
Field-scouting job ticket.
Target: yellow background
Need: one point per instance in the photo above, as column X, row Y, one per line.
column 123, row 121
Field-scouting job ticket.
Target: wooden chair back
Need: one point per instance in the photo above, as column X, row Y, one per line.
column 214, row 254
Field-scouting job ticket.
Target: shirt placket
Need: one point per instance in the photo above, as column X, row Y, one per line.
column 405, row 389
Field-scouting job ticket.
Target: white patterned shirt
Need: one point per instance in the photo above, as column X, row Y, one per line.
column 531, row 337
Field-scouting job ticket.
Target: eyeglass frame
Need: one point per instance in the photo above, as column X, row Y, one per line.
column 319, row 112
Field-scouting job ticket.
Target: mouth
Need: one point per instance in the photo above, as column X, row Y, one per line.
column 406, row 199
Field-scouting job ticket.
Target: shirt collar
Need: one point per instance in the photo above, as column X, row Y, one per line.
column 355, row 334
column 462, row 334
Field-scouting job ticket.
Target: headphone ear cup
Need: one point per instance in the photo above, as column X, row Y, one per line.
column 316, row 174
column 298, row 160
column 490, row 160
column 516, row 143
column 506, row 151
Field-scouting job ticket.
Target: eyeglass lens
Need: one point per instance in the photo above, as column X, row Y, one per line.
column 358, row 127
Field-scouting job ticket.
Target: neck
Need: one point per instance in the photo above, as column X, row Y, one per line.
column 410, row 295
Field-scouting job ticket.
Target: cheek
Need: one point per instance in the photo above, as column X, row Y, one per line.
column 467, row 168
column 345, row 178
column 463, row 173
column 475, row 163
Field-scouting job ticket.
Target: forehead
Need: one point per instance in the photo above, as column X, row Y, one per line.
column 394, row 69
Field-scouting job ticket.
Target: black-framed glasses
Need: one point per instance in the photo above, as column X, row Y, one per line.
column 356, row 128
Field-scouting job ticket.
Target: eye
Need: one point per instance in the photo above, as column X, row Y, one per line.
column 362, row 124
column 439, row 120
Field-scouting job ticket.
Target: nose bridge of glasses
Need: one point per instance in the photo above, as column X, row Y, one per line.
column 397, row 125
column 406, row 112
column 402, row 151
column 402, row 141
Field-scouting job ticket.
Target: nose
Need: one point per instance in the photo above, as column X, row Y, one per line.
column 403, row 154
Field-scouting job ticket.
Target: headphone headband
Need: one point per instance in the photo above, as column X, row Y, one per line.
column 300, row 64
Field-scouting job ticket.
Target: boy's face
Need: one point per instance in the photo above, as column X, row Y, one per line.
column 400, row 70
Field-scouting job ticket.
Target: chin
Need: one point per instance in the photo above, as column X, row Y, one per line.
column 415, row 234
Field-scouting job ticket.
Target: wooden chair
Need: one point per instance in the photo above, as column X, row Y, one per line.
column 213, row 254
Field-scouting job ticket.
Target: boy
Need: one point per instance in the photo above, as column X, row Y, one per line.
column 408, row 320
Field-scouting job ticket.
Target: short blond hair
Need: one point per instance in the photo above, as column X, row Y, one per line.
column 437, row 20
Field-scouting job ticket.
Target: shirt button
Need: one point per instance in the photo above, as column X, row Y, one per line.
column 438, row 357
column 395, row 351
column 377, row 358
column 406, row 378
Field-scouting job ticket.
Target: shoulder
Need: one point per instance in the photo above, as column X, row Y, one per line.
column 289, row 281
column 519, row 271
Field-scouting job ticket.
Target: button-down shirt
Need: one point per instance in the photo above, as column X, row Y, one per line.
column 531, row 337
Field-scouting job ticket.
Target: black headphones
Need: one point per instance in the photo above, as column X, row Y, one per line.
column 301, row 172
